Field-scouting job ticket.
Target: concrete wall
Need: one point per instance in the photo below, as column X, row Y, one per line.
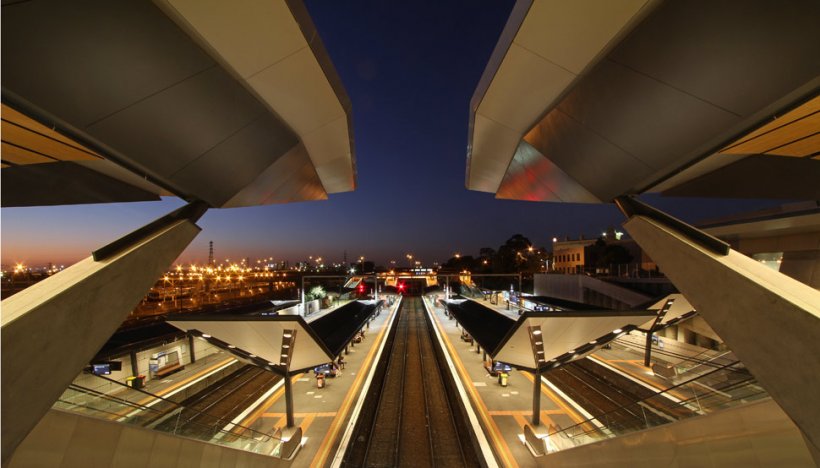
column 803, row 265
column 69, row 440
column 770, row 321
column 52, row 329
column 801, row 253
column 201, row 349
column 752, row 435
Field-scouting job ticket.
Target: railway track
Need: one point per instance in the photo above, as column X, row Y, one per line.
column 410, row 421
column 213, row 408
column 617, row 401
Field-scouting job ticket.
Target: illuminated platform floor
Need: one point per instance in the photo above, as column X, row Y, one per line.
column 627, row 355
column 324, row 415
column 503, row 411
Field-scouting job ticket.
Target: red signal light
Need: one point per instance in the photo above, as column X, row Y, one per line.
column 361, row 288
column 401, row 286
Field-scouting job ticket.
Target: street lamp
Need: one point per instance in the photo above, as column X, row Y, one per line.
column 361, row 262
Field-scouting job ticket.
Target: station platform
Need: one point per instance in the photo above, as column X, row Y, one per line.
column 626, row 355
column 206, row 367
column 323, row 414
column 327, row 415
column 504, row 411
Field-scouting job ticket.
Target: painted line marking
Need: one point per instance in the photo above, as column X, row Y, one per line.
column 176, row 388
column 277, row 394
column 250, row 408
column 360, row 385
column 460, row 377
column 522, row 412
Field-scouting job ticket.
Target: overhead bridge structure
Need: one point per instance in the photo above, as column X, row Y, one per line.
column 602, row 102
column 130, row 101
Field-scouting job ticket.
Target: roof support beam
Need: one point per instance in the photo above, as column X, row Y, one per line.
column 771, row 321
column 54, row 328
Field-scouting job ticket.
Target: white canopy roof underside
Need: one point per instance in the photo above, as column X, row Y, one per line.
column 556, row 43
column 263, row 338
column 560, row 335
column 261, row 42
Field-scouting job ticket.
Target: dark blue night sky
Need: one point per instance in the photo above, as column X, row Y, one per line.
column 410, row 69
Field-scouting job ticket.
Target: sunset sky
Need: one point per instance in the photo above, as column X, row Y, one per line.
column 410, row 69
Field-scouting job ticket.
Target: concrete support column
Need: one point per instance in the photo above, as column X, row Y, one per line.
column 191, row 348
column 647, row 355
column 771, row 321
column 289, row 401
column 135, row 370
column 54, row 328
column 536, row 398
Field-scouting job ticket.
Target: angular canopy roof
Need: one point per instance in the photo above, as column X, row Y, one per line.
column 260, row 339
column 587, row 101
column 564, row 335
column 123, row 101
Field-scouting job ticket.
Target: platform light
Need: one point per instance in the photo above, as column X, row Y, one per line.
column 536, row 332
column 252, row 355
column 287, row 335
column 616, row 331
column 539, row 352
column 271, row 364
column 539, row 343
column 231, row 346
column 570, row 351
column 593, row 341
column 205, row 335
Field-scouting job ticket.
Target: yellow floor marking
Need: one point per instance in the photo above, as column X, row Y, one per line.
column 305, row 424
column 522, row 412
column 519, row 418
column 500, row 444
column 329, row 414
column 642, row 368
column 557, row 400
column 171, row 388
column 251, row 418
column 283, row 420
column 350, row 399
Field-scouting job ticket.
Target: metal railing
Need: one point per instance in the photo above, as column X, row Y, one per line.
column 108, row 399
column 720, row 388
